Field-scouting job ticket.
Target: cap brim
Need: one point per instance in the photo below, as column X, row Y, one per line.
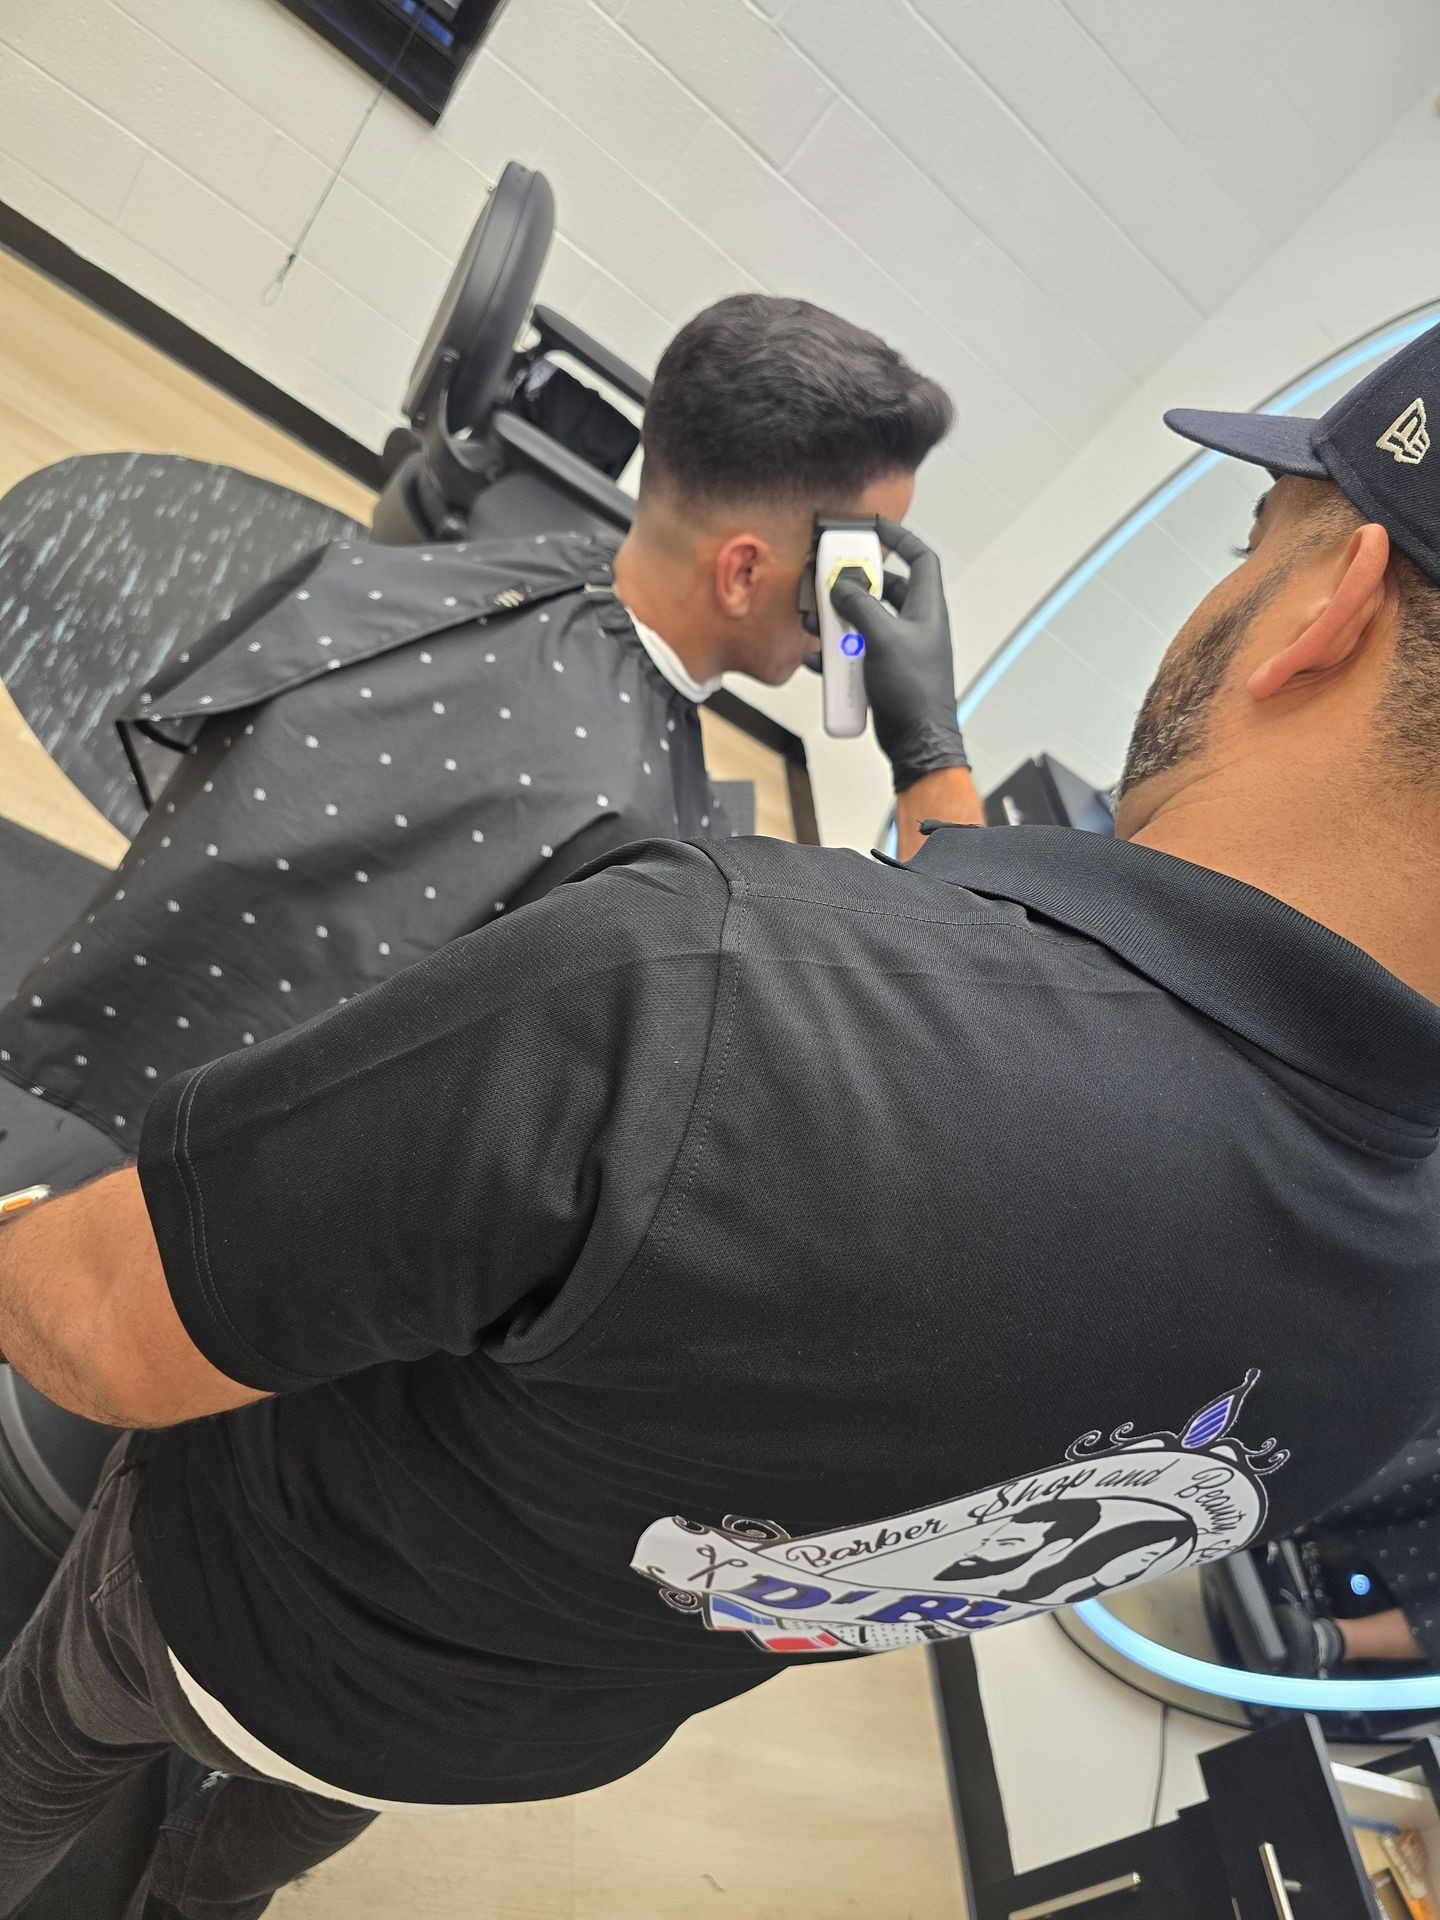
column 1269, row 440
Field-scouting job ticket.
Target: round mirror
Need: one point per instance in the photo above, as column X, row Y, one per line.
column 1343, row 1618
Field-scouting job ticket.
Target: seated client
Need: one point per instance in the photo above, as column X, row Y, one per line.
column 388, row 747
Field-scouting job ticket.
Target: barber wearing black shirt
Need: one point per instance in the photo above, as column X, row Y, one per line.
column 754, row 1254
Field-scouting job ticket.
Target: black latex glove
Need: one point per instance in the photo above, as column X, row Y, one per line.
column 909, row 668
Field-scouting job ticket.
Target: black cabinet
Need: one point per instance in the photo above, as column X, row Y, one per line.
column 1272, row 1840
column 1173, row 1872
column 1281, row 1828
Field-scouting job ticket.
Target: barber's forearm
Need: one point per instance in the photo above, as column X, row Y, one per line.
column 55, row 1283
column 86, row 1316
column 948, row 795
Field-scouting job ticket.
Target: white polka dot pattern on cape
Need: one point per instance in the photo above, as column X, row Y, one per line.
column 310, row 895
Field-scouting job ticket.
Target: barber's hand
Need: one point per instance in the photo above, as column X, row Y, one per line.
column 909, row 668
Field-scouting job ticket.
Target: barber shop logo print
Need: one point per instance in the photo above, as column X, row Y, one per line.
column 1134, row 1508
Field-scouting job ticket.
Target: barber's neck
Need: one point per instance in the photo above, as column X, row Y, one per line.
column 661, row 590
column 1361, row 859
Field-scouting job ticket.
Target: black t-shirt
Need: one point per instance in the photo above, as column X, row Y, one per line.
column 751, row 1254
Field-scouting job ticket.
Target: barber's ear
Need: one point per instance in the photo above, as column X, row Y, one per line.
column 738, row 567
column 1339, row 623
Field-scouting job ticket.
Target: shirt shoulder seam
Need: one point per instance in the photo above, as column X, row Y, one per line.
column 199, row 1247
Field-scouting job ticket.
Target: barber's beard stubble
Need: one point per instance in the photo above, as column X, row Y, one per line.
column 1172, row 723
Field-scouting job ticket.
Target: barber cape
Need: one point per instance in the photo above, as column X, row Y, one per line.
column 382, row 751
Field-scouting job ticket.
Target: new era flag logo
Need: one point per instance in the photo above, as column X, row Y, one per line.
column 1408, row 438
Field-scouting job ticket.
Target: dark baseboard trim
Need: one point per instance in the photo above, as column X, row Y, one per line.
column 791, row 748
column 31, row 242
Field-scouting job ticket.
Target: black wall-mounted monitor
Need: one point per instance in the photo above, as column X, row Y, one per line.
column 418, row 47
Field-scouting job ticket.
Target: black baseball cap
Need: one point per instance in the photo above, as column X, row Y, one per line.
column 1374, row 444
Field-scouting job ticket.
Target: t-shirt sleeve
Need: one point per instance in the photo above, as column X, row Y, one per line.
column 483, row 1139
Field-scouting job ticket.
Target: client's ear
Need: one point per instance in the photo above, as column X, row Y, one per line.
column 739, row 564
column 1338, row 623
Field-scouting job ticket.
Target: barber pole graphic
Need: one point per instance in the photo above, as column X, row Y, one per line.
column 1110, row 1514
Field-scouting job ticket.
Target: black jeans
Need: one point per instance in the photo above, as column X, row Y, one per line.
column 87, row 1694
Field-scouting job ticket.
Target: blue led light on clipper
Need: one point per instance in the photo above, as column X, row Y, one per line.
column 852, row 645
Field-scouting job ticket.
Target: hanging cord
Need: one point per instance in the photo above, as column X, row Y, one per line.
column 1160, row 1768
column 277, row 286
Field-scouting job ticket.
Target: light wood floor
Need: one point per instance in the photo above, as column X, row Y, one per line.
column 822, row 1796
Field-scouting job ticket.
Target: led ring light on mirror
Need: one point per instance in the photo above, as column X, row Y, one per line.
column 1402, row 1695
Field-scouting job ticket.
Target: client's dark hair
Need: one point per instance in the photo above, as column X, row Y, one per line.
column 761, row 398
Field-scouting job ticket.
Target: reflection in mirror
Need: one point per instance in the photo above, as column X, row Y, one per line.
column 1342, row 1618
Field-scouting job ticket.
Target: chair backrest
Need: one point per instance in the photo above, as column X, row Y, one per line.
column 469, row 431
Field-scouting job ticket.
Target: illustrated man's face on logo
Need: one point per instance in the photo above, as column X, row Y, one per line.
column 1065, row 1550
column 1138, row 1507
column 1014, row 1540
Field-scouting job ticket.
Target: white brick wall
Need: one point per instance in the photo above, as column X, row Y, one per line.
column 1039, row 200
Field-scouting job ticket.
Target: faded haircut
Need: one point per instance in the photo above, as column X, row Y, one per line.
column 777, row 401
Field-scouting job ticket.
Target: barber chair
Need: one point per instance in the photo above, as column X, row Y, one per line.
column 111, row 564
column 502, row 440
